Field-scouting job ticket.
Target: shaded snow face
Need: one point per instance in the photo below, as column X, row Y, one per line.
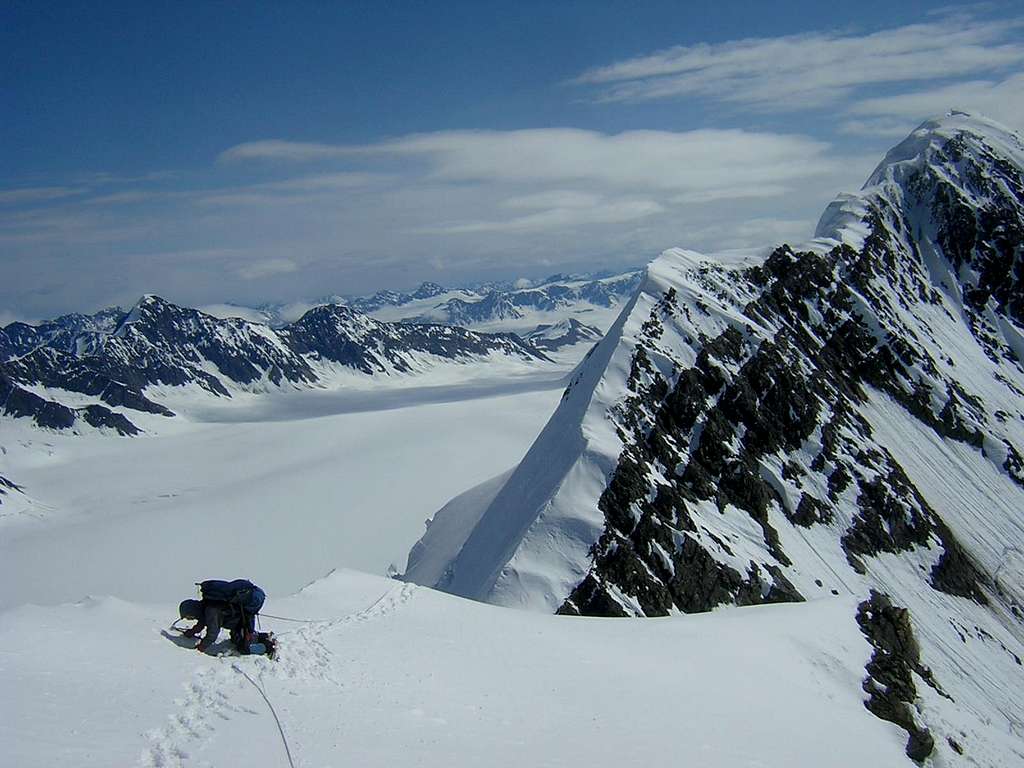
column 754, row 458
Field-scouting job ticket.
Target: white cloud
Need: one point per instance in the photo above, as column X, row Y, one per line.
column 324, row 181
column 7, row 317
column 895, row 116
column 727, row 161
column 36, row 194
column 553, row 198
column 748, row 233
column 267, row 268
column 597, row 213
column 121, row 198
column 275, row 149
column 633, row 159
column 61, row 226
column 297, row 190
column 812, row 70
column 712, row 195
column 447, row 206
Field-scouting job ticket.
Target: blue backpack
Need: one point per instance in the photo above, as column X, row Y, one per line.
column 240, row 592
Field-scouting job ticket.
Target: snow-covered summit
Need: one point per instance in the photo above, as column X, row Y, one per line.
column 847, row 419
column 973, row 135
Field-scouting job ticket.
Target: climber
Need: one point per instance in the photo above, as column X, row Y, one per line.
column 231, row 605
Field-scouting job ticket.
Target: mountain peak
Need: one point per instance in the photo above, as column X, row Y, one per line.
column 952, row 194
column 428, row 290
column 831, row 421
column 973, row 135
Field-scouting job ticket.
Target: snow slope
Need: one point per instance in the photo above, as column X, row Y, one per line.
column 390, row 674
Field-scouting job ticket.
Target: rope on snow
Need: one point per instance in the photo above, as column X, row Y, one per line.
column 280, row 729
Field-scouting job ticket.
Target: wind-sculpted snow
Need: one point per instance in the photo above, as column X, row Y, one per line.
column 17, row 507
column 159, row 344
column 731, row 442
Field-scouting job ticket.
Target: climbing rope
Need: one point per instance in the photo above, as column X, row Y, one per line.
column 297, row 621
column 280, row 729
column 375, row 603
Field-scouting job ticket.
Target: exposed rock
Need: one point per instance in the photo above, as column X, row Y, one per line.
column 746, row 391
column 6, row 486
column 17, row 402
column 91, row 376
column 956, row 573
column 889, row 682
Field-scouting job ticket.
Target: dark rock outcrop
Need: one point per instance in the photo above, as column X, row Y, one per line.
column 20, row 403
column 889, row 682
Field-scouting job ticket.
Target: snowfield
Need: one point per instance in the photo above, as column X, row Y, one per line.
column 284, row 489
column 391, row 674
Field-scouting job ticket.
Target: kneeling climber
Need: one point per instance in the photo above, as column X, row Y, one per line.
column 231, row 605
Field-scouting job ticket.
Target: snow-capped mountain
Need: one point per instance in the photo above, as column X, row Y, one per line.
column 459, row 311
column 558, row 293
column 75, row 333
column 368, row 304
column 846, row 418
column 114, row 358
column 498, row 305
column 565, row 333
column 342, row 335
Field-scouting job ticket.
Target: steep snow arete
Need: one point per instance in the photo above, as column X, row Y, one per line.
column 845, row 418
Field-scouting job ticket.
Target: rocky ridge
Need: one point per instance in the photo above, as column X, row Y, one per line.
column 830, row 421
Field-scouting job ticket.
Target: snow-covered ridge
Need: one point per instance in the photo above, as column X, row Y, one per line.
column 378, row 671
column 847, row 419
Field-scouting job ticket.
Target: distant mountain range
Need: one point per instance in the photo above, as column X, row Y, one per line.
column 114, row 356
column 489, row 302
column 553, row 298
column 111, row 357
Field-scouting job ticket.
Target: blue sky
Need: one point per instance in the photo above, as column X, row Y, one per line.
column 266, row 152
